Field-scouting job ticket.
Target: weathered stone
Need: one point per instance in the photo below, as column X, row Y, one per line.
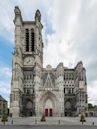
column 37, row 91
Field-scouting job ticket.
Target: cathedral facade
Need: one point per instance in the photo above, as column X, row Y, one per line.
column 36, row 90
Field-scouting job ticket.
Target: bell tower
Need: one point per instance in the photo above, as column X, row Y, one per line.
column 32, row 41
column 28, row 54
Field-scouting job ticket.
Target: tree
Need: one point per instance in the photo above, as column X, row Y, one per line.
column 90, row 106
column 4, row 118
column 43, row 118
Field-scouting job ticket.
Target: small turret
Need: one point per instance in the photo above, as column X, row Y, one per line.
column 38, row 16
column 17, row 10
column 18, row 17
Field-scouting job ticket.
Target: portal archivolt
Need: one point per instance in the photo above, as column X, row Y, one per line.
column 48, row 104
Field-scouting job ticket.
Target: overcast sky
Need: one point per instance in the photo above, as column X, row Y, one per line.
column 69, row 36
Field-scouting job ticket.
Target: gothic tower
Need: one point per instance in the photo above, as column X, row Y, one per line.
column 27, row 58
column 37, row 91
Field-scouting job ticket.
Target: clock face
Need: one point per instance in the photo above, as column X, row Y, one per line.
column 29, row 61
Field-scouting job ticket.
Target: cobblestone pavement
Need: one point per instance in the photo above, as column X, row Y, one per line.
column 47, row 127
column 35, row 121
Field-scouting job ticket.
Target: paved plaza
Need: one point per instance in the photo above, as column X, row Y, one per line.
column 50, row 121
column 47, row 127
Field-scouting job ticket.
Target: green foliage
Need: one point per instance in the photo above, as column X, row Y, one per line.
column 43, row 118
column 90, row 106
column 4, row 118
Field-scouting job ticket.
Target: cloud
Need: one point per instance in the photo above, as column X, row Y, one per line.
column 75, row 28
column 5, row 72
column 69, row 33
column 27, row 8
column 6, row 20
column 92, row 93
column 70, row 26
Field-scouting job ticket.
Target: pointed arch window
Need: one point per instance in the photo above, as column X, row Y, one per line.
column 32, row 40
column 27, row 40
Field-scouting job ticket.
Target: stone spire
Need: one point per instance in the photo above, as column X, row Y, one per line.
column 18, row 16
column 38, row 16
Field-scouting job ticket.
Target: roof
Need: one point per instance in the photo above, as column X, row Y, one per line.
column 2, row 99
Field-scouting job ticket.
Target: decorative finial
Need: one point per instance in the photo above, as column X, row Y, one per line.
column 17, row 10
column 38, row 15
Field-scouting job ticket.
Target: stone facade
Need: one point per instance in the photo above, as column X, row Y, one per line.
column 36, row 90
column 3, row 106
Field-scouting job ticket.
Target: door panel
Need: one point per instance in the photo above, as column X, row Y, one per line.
column 50, row 112
column 46, row 112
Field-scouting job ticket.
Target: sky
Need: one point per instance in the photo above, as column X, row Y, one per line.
column 69, row 36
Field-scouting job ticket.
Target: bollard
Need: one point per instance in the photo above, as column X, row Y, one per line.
column 93, row 123
column 59, row 122
column 35, row 121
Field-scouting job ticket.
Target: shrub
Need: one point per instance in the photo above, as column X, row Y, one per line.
column 43, row 118
column 4, row 118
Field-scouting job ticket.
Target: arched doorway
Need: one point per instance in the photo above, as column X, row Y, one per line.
column 48, row 104
column 68, row 111
column 48, row 107
column 29, row 108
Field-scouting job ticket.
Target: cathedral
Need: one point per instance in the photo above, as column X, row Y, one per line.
column 35, row 90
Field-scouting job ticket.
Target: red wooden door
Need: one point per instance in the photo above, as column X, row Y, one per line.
column 46, row 112
column 50, row 112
